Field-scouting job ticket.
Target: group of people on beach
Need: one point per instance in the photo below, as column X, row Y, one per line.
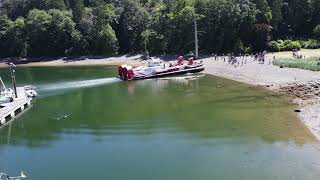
column 260, row 57
column 295, row 54
column 242, row 59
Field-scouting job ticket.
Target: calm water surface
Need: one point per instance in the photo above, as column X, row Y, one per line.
column 88, row 125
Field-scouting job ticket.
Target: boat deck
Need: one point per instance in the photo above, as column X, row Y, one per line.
column 10, row 110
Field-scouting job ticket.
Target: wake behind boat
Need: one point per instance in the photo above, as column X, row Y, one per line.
column 156, row 68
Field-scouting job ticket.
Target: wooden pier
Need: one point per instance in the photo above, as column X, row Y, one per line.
column 10, row 110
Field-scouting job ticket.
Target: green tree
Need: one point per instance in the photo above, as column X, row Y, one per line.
column 14, row 8
column 296, row 19
column 226, row 23
column 78, row 27
column 316, row 31
column 78, row 8
column 16, row 39
column 264, row 12
column 50, row 33
column 37, row 24
column 276, row 7
column 60, row 32
column 106, row 41
column 48, row 4
column 315, row 15
column 5, row 25
column 132, row 22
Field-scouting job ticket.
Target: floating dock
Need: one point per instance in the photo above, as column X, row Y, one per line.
column 10, row 110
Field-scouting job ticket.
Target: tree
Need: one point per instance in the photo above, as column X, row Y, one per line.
column 47, row 4
column 16, row 39
column 264, row 12
column 226, row 23
column 78, row 8
column 61, row 32
column 276, row 7
column 79, row 27
column 14, row 8
column 296, row 19
column 316, row 31
column 50, row 33
column 37, row 24
column 132, row 22
column 262, row 36
column 12, row 35
column 106, row 41
column 315, row 15
column 5, row 24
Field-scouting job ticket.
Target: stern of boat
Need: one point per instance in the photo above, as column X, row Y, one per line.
column 125, row 72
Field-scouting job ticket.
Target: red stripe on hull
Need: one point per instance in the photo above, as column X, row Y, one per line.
column 167, row 71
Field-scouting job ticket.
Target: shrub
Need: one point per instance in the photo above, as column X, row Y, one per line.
column 274, row 46
column 286, row 45
column 246, row 50
column 310, row 44
column 290, row 45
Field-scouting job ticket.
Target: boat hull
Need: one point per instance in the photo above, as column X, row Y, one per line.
column 173, row 73
column 157, row 70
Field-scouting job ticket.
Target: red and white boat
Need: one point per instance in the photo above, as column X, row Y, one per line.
column 157, row 68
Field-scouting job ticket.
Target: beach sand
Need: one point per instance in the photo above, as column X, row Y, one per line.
column 133, row 60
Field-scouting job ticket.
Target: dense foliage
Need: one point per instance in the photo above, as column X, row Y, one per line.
column 286, row 45
column 98, row 27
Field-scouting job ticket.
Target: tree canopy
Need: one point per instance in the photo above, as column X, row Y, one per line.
column 106, row 27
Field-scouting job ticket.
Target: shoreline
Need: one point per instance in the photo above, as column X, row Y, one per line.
column 284, row 81
column 302, row 86
column 133, row 60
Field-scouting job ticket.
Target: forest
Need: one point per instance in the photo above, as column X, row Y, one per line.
column 51, row 28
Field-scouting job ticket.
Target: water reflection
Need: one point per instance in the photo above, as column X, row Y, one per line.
column 189, row 82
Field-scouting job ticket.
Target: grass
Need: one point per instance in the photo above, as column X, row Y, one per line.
column 312, row 64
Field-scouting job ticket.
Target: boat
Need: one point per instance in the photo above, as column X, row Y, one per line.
column 4, row 176
column 30, row 91
column 156, row 68
column 6, row 94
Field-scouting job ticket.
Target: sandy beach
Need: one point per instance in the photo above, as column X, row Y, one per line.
column 133, row 60
column 280, row 80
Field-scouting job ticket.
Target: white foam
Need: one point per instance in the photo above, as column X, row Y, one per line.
column 56, row 88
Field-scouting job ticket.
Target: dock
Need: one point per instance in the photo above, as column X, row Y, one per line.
column 9, row 111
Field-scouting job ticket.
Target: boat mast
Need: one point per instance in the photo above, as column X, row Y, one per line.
column 3, row 87
column 196, row 38
column 13, row 77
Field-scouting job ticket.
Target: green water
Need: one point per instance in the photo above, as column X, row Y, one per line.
column 88, row 125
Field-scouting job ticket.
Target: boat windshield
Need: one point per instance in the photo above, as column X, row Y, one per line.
column 154, row 63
